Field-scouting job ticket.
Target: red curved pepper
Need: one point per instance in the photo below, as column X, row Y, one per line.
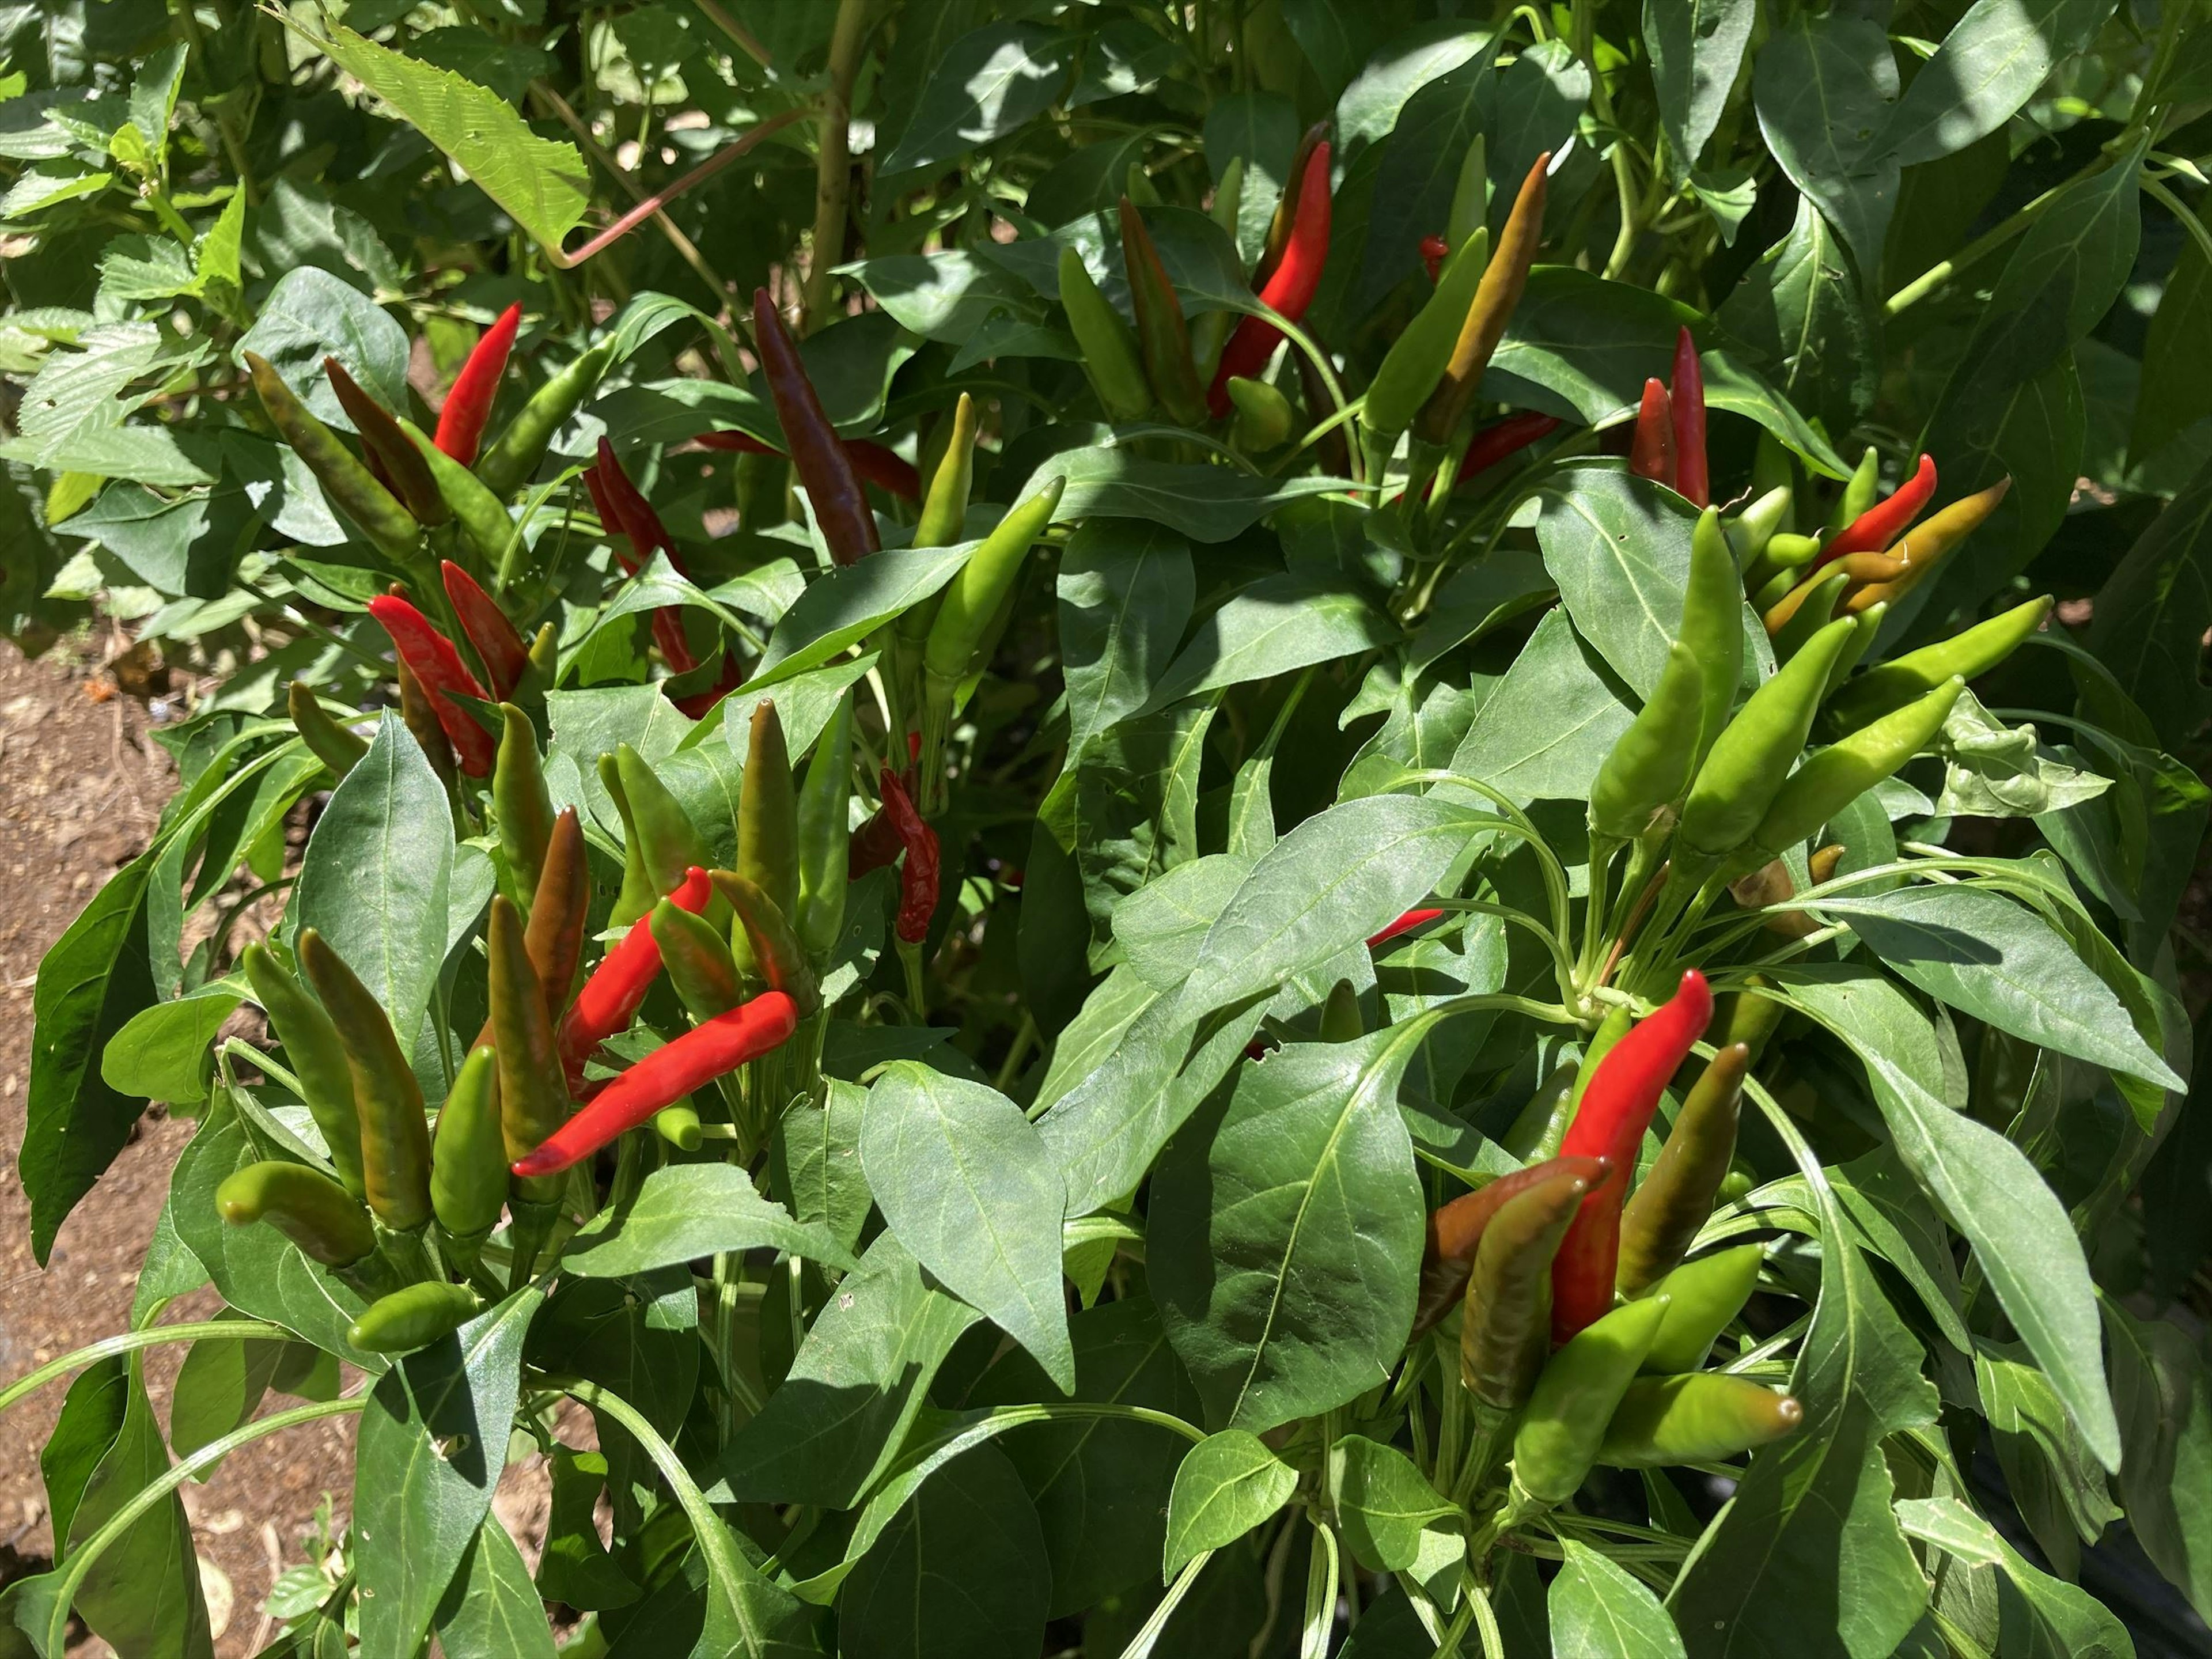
column 917, row 879
column 885, row 468
column 621, row 506
column 1685, row 400
column 498, row 647
column 430, row 656
column 476, row 388
column 1434, row 251
column 1615, row 1111
column 1651, row 451
column 825, row 467
column 609, row 999
column 1404, row 923
column 666, row 1076
column 1876, row 530
column 1290, row 290
column 1503, row 438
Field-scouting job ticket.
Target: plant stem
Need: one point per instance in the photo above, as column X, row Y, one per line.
column 833, row 164
column 1990, row 239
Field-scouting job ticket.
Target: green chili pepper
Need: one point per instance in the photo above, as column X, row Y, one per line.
column 1545, row 1118
column 414, row 1317
column 1574, row 1399
column 468, row 1160
column 350, row 486
column 1415, row 363
column 1747, row 1017
column 482, row 516
column 678, row 1125
column 767, row 815
column 1109, row 345
column 1747, row 766
column 1757, row 525
column 1470, row 201
column 533, row 1094
column 1702, row 1297
column 1701, row 1417
column 388, row 448
column 944, row 513
column 1341, row 1018
column 826, row 833
column 1857, row 495
column 1163, row 338
column 318, row 1060
column 1504, row 280
column 667, row 839
column 637, row 893
column 1506, row 1328
column 1832, row 779
column 1674, row 1199
column 1137, row 185
column 1263, row 416
column 521, row 803
column 328, row 742
column 699, row 964
column 1784, row 553
column 973, row 597
column 395, row 1133
column 777, row 956
column 514, row 456
column 1229, row 197
column 1896, row 683
column 305, row 1206
column 1866, row 625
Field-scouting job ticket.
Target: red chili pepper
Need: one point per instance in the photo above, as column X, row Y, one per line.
column 609, row 999
column 1651, row 451
column 476, row 388
column 1877, row 529
column 825, row 467
column 1685, row 400
column 881, row 466
column 1503, row 438
column 622, row 507
column 874, row 846
column 433, row 660
column 1434, row 251
column 918, row 880
column 666, row 1076
column 498, row 647
column 1290, row 290
column 1616, row 1109
column 609, row 520
column 1405, row 923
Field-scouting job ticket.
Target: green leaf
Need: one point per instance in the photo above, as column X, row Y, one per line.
column 1420, row 167
column 841, row 608
column 989, row 83
column 1989, row 66
column 219, row 1386
column 1276, row 626
column 493, row 1607
column 154, row 100
column 1696, row 50
column 1477, row 597
column 1125, row 592
column 162, row 1053
column 2153, row 613
column 1548, row 725
column 1225, row 1485
column 310, row 315
column 543, row 185
column 1800, row 307
column 817, row 1154
column 2172, row 398
column 968, row 1188
column 1283, row 1236
column 1414, row 58
column 2163, row 1391
column 1823, row 86
column 681, row 1212
column 1206, row 503
column 1600, row 1610
column 1618, row 548
column 1385, row 1504
column 943, row 296
column 575, row 1567
column 2040, row 1617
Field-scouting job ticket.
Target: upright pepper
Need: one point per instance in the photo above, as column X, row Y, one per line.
column 505, row 658
column 1289, row 290
column 533, row 1094
column 1651, row 451
column 1686, row 403
column 1470, row 201
column 1927, row 545
column 1284, row 224
column 468, row 406
column 1806, row 608
column 666, row 1075
column 840, row 504
column 422, row 723
column 1163, row 338
column 1575, row 1397
column 395, row 1133
column 610, row 996
column 318, row 1060
column 1750, row 530
column 826, row 833
column 776, row 954
column 1615, row 1111
column 943, row 519
column 388, row 448
column 1415, row 363
column 443, row 677
column 468, row 1159
column 1747, row 764
column 305, row 1206
column 349, row 485
column 1857, row 494
column 558, row 911
column 1702, row 1297
column 328, row 742
column 918, row 876
column 1503, row 1333
column 486, row 527
column 1846, row 770
column 668, row 840
column 1111, row 357
column 973, row 597
column 1880, row 525
column 520, row 803
column 698, row 962
column 1504, row 280
column 414, row 1317
column 514, row 454
column 1975, row 652
column 637, row 892
column 1455, row 1230
column 1698, row 1419
column 1672, row 1201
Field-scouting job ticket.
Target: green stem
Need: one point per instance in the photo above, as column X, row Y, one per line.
column 1990, row 241
column 833, row 164
column 152, row 1337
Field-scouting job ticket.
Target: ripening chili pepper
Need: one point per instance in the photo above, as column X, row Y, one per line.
column 1289, row 290
column 1862, row 568
column 468, row 1160
column 1163, row 338
column 826, row 833
column 637, row 892
column 918, row 877
column 1263, row 416
column 768, row 816
column 1672, row 1201
column 1651, row 451
column 1404, row 923
column 1753, row 754
column 777, row 956
column 698, row 961
column 305, row 1205
column 1698, row 1418
column 1686, row 403
column 1502, row 439
column 1806, row 608
column 1880, row 525
column 1610, row 1123
column 1283, row 226
column 533, row 1091
column 318, row 1059
column 505, row 658
column 558, row 911
column 1108, row 344
column 521, row 805
column 840, row 504
column 1574, row 1399
column 467, row 407
column 667, row 839
column 671, row 1072
column 957, row 641
column 414, row 1316
column 1857, row 494
column 349, row 485
column 1455, row 1231
column 1702, row 1297
column 514, row 454
column 439, row 669
column 485, row 526
column 1975, row 652
column 609, row 999
column 1563, row 1105
column 328, row 742
column 1503, row 1333
column 424, row 725
column 1415, row 363
column 1504, row 280
column 1927, row 544
column 633, row 515
column 395, row 1133
column 1838, row 774
column 388, row 448
column 1434, row 251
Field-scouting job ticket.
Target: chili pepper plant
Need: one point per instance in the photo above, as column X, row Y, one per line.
column 1137, row 829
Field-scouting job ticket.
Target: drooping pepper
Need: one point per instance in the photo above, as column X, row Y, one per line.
column 1504, row 280
column 305, row 1205
column 520, row 803
column 1651, row 451
column 1686, row 403
column 918, row 876
column 1702, row 1297
column 884, row 467
column 1927, row 545
column 534, row 1093
column 1896, row 683
column 1291, row 287
column 1415, row 363
column 1504, row 1333
column 773, row 946
column 318, row 1060
column 826, row 833
column 350, row 486
column 414, row 1316
column 1501, row 440
column 505, row 658
column 1846, row 770
column 424, row 725
column 388, row 448
column 1575, row 1397
column 1742, row 775
column 610, row 998
column 1672, row 1201
column 395, row 1133
column 623, row 509
column 468, row 406
column 437, row 667
column 1163, row 337
column 840, row 504
column 1456, row 1229
column 1263, row 416
column 1610, row 1123
column 1880, row 525
column 666, row 1075
column 514, row 454
column 1109, row 345
column 468, row 1159
column 328, row 742
column 1698, row 1418
column 1806, row 608
column 698, row 961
